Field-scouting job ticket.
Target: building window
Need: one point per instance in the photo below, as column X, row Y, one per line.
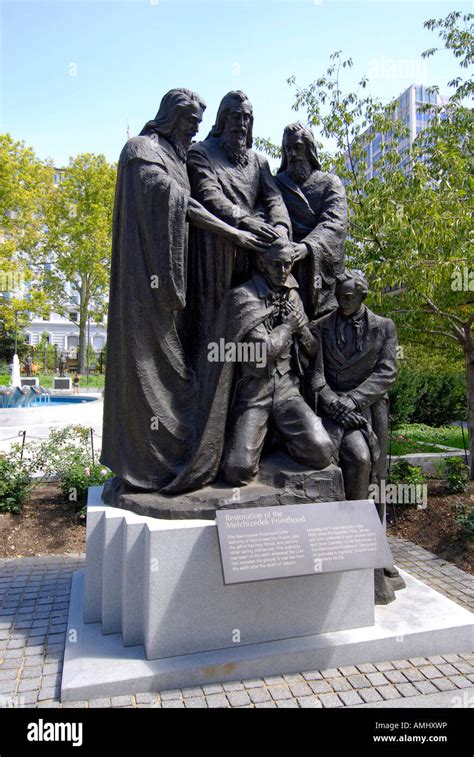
column 72, row 343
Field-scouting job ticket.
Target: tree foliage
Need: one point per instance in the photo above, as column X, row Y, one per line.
column 411, row 219
column 77, row 242
column 26, row 184
column 53, row 236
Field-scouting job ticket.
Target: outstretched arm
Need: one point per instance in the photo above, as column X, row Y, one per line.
column 208, row 193
column 203, row 219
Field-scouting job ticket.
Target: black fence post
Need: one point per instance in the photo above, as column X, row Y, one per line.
column 23, row 434
column 92, row 446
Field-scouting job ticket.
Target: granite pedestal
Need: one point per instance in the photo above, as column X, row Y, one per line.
column 159, row 583
column 152, row 612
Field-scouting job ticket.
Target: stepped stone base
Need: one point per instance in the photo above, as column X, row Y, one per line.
column 152, row 613
column 159, row 583
column 421, row 622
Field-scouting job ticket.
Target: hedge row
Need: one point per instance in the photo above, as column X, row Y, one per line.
column 431, row 397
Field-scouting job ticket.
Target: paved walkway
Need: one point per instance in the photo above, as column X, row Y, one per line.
column 34, row 600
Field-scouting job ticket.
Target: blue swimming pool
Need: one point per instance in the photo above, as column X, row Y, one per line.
column 48, row 399
column 13, row 397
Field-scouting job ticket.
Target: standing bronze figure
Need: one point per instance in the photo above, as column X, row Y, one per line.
column 316, row 203
column 149, row 388
column 235, row 184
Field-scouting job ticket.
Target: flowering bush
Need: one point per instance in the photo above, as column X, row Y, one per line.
column 66, row 455
column 76, row 479
column 15, row 485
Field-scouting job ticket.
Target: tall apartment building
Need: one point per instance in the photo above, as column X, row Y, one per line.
column 410, row 110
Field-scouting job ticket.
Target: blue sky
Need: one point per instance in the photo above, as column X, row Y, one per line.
column 73, row 74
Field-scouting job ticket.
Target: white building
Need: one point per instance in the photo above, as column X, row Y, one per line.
column 64, row 333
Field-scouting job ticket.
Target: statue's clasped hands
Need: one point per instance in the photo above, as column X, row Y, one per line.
column 294, row 317
column 343, row 411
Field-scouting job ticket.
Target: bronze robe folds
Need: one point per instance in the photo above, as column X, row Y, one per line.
column 318, row 212
column 230, row 192
column 149, row 390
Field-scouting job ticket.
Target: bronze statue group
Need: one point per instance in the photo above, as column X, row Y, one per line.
column 208, row 245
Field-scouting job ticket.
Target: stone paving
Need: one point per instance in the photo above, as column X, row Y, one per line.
column 34, row 600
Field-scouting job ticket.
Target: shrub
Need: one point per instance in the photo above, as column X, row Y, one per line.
column 403, row 472
column 455, row 474
column 431, row 397
column 464, row 514
column 61, row 450
column 15, row 484
column 67, row 454
column 76, row 479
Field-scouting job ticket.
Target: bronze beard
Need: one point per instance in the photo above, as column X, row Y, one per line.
column 180, row 149
column 235, row 147
column 299, row 171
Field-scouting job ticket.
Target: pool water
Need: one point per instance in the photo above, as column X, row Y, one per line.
column 47, row 399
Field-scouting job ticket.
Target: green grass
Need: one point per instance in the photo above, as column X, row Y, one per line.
column 450, row 436
column 409, row 447
column 96, row 381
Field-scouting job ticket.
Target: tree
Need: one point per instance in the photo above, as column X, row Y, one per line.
column 26, row 184
column 78, row 241
column 410, row 224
